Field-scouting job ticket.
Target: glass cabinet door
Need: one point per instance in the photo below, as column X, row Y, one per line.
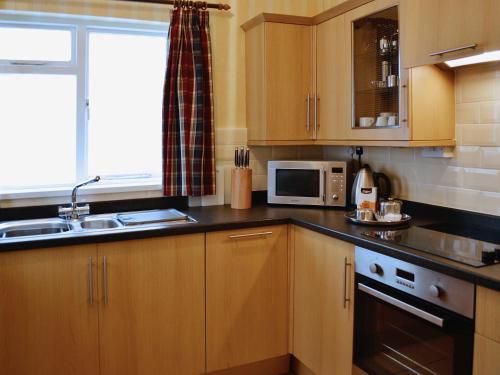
column 376, row 73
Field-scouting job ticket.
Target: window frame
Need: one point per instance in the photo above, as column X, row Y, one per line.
column 81, row 27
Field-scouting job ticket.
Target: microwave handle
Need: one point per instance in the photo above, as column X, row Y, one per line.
column 402, row 305
column 324, row 186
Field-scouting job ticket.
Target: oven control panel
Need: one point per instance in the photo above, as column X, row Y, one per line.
column 440, row 289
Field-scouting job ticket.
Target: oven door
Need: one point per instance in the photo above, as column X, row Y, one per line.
column 302, row 184
column 396, row 333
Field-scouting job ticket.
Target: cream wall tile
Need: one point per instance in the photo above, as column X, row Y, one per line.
column 336, row 153
column 490, row 157
column 479, row 135
column 482, row 179
column 431, row 194
column 477, row 83
column 402, row 155
column 462, row 198
column 440, row 175
column 259, row 182
column 490, row 112
column 224, row 153
column 261, row 153
column 467, row 113
column 380, row 154
column 467, row 156
column 310, row 152
column 490, row 203
column 284, row 152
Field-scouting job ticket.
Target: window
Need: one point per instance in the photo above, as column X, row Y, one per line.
column 79, row 99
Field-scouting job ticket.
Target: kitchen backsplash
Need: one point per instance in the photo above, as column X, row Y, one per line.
column 470, row 180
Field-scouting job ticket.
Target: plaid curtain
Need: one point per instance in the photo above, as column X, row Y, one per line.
column 188, row 122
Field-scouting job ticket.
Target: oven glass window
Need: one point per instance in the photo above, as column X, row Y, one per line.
column 297, row 182
column 391, row 341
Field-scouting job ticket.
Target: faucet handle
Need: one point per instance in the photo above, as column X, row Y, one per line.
column 73, row 212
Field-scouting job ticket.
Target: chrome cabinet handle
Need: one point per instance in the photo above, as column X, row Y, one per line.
column 402, row 305
column 260, row 234
column 346, row 274
column 316, row 109
column 105, row 279
column 308, row 112
column 441, row 53
column 91, row 281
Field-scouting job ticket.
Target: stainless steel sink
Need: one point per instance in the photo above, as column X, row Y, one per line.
column 41, row 227
column 14, row 231
column 99, row 223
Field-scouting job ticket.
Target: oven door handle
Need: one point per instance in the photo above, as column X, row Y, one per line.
column 402, row 305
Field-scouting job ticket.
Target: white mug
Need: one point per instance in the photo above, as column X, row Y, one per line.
column 381, row 121
column 386, row 114
column 366, row 122
column 393, row 120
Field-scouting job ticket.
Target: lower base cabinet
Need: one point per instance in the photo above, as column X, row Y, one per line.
column 323, row 304
column 247, row 296
column 49, row 312
column 486, row 356
column 152, row 306
column 487, row 337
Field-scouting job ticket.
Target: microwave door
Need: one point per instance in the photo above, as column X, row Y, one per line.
column 296, row 186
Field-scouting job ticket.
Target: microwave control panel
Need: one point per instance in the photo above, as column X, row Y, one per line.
column 336, row 184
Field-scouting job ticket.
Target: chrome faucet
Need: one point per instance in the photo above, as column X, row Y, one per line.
column 74, row 211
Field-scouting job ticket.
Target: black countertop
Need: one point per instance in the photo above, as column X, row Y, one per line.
column 330, row 222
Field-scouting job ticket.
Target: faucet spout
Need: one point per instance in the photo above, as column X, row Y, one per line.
column 75, row 189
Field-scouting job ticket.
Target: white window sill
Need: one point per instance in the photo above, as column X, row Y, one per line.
column 124, row 189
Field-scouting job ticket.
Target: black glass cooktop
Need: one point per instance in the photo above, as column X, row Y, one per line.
column 469, row 246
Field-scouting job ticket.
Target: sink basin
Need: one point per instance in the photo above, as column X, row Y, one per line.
column 41, row 227
column 99, row 223
column 22, row 230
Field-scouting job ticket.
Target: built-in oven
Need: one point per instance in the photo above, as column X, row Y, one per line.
column 409, row 319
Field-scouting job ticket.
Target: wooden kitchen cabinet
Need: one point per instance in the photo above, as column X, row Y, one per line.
column 247, row 296
column 152, row 306
column 423, row 99
column 333, row 82
column 48, row 313
column 431, row 26
column 323, row 302
column 311, row 83
column 279, row 73
column 487, row 337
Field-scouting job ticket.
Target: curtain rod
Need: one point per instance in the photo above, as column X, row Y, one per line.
column 196, row 4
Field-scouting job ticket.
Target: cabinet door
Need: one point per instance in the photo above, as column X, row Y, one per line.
column 486, row 356
column 247, row 296
column 323, row 302
column 288, row 80
column 332, row 80
column 371, row 98
column 431, row 26
column 152, row 314
column 48, row 322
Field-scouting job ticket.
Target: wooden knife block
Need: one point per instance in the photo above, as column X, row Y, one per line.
column 241, row 188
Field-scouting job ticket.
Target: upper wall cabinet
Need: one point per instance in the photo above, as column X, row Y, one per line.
column 387, row 104
column 341, row 82
column 279, row 71
column 438, row 30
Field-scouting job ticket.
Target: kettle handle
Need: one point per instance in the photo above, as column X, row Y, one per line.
column 387, row 184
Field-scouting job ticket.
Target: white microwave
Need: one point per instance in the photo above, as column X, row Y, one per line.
column 317, row 183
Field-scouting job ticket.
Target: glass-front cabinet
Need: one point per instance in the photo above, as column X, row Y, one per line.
column 378, row 88
column 375, row 64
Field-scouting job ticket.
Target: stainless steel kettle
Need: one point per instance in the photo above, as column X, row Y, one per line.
column 365, row 178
